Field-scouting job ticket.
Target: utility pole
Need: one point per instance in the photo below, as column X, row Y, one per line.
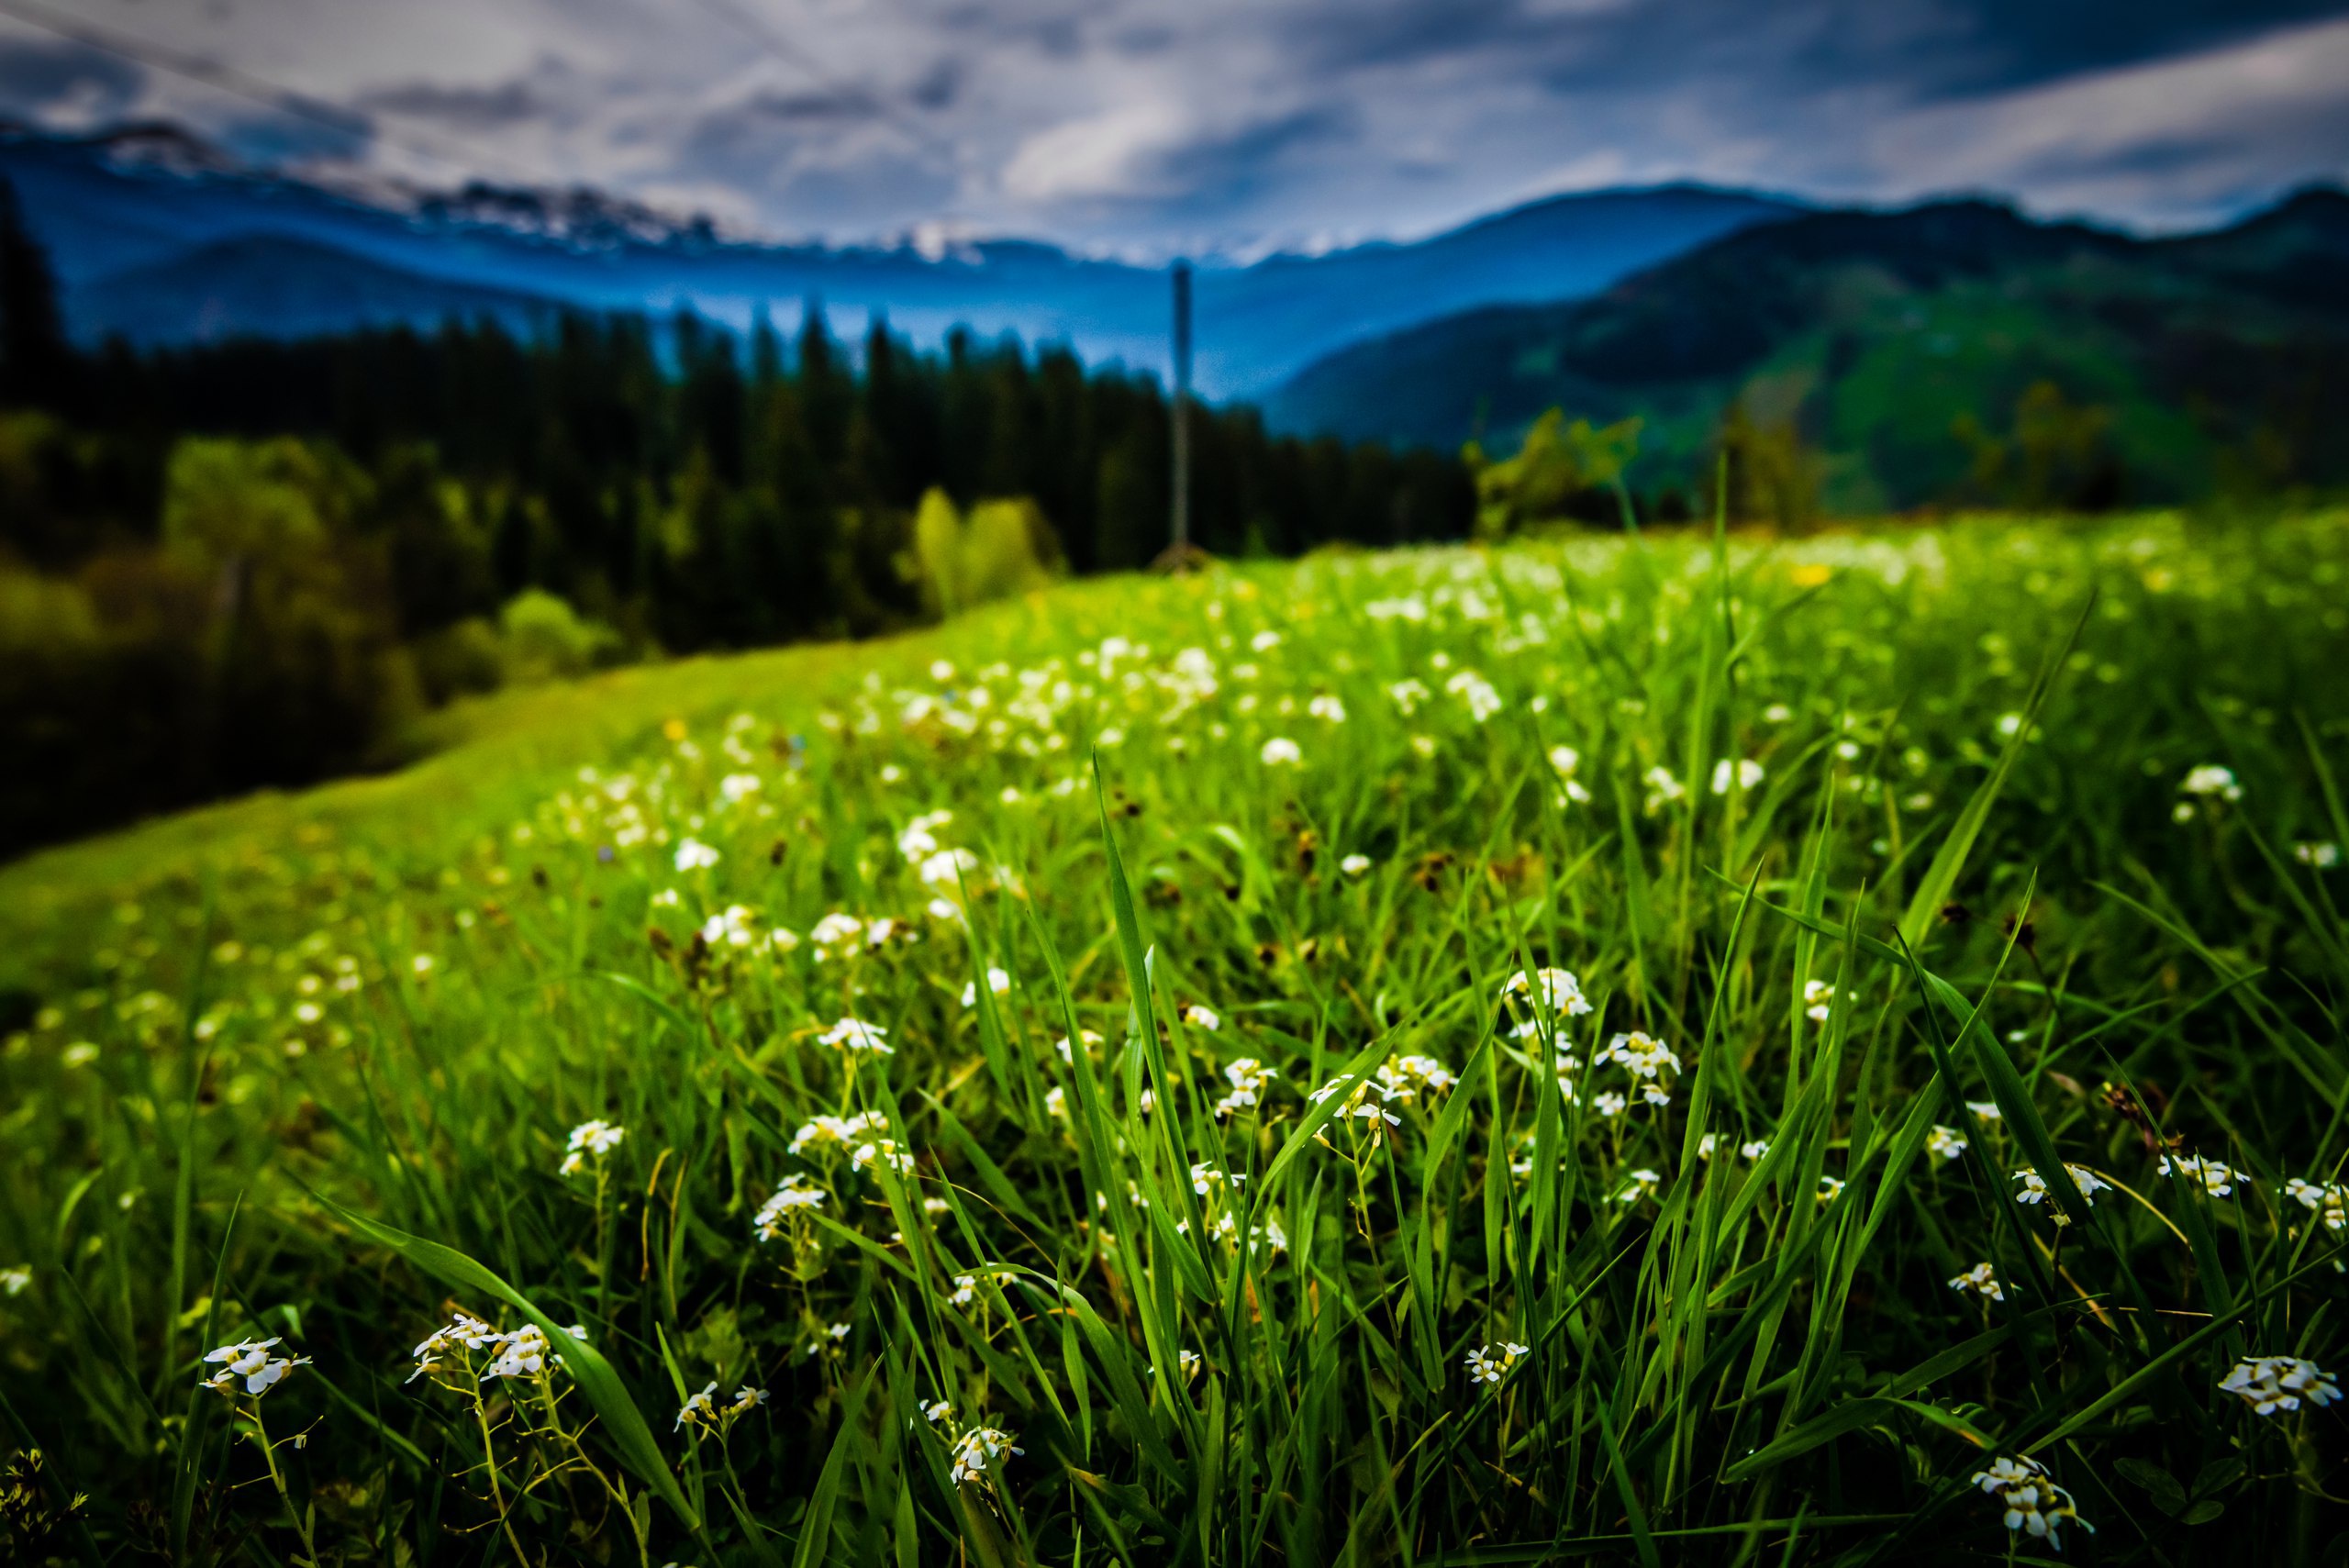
column 1179, row 551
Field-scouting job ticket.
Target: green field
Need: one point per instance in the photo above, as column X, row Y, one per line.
column 713, row 1008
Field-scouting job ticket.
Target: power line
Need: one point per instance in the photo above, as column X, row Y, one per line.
column 790, row 53
column 244, row 84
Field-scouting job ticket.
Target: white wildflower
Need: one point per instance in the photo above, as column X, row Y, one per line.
column 1746, row 771
column 695, row 855
column 854, row 1035
column 998, row 985
column 1249, row 1078
column 699, row 1409
column 250, row 1361
column 1982, row 1280
column 1488, row 1364
column 2218, row 1180
column 733, row 928
column 796, row 1193
column 2330, row 1198
column 947, row 868
column 1558, row 990
column 1471, row 688
column 2210, row 781
column 883, row 1151
column 595, row 1138
column 2269, row 1383
column 835, row 932
column 1662, row 789
column 2034, row 1190
column 2035, row 1504
column 522, row 1354
column 1639, row 1185
column 976, row 1449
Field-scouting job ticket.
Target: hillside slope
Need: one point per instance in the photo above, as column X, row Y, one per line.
column 286, row 287
column 1872, row 334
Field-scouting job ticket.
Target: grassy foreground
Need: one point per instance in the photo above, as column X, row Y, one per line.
column 1631, row 1052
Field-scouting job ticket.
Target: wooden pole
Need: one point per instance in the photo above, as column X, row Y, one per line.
column 1181, row 546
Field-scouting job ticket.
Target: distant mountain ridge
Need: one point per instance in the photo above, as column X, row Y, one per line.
column 136, row 220
column 1873, row 334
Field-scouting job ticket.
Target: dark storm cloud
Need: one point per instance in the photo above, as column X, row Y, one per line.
column 1917, row 48
column 1219, row 173
column 470, row 107
column 937, row 87
column 1338, row 36
column 37, row 74
column 1146, row 125
column 2013, row 43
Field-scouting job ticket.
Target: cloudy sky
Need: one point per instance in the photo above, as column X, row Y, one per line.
column 1150, row 126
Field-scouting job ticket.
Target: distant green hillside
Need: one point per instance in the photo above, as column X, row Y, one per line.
column 2179, row 366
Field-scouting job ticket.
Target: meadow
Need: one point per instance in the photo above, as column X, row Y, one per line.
column 1684, row 1049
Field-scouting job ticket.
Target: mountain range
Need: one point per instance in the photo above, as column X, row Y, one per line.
column 1916, row 356
column 160, row 238
column 1908, row 357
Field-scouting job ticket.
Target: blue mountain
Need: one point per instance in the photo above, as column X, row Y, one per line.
column 159, row 240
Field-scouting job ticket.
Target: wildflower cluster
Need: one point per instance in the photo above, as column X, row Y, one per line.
column 2269, row 1383
column 2033, row 1504
column 703, row 1413
column 518, row 1352
column 2329, row 1200
column 1490, row 1363
column 1250, row 1079
column 1982, row 1280
column 2034, row 1189
column 976, row 1449
column 1648, row 1060
column 852, row 1036
column 1550, row 995
column 796, row 1196
column 2218, row 1180
column 249, row 1362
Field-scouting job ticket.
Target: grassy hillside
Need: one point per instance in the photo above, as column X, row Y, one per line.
column 642, row 1133
column 2206, row 364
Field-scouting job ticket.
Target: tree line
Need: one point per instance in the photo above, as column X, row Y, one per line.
column 266, row 558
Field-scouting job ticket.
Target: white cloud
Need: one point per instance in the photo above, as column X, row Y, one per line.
column 1112, row 155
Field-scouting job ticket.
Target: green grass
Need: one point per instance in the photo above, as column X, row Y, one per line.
column 240, row 1106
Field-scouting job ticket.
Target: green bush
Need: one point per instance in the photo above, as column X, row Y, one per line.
column 1001, row 549
column 543, row 639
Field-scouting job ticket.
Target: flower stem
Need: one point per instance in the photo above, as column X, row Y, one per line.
column 277, row 1479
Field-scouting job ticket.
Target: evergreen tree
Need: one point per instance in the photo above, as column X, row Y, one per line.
column 34, row 357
